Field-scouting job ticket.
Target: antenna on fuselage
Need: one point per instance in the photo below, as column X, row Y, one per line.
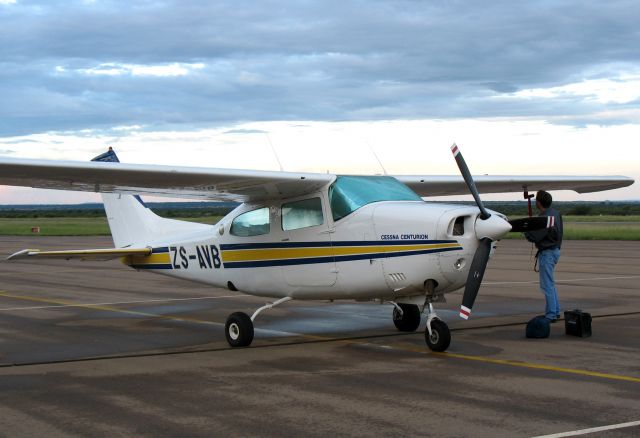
column 384, row 171
column 274, row 151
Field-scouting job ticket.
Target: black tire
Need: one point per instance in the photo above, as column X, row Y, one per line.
column 440, row 336
column 410, row 319
column 239, row 330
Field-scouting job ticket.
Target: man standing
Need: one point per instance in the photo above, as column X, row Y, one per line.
column 548, row 241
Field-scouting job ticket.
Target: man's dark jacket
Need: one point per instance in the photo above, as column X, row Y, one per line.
column 548, row 238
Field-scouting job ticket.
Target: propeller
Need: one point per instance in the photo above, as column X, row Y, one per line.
column 474, row 279
column 531, row 223
column 464, row 170
column 488, row 228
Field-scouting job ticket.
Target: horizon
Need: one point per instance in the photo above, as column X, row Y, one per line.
column 229, row 203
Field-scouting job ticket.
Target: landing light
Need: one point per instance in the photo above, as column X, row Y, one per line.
column 459, row 264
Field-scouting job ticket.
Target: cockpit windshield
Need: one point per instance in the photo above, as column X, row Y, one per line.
column 349, row 193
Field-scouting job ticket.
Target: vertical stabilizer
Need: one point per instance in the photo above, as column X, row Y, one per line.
column 133, row 224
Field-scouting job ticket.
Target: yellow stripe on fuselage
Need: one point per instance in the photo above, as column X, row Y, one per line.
column 150, row 259
column 244, row 255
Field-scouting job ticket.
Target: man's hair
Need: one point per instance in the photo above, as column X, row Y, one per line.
column 544, row 198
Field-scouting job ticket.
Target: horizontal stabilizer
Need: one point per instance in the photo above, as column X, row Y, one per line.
column 83, row 254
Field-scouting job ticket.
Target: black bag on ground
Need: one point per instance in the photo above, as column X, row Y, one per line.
column 538, row 328
column 577, row 323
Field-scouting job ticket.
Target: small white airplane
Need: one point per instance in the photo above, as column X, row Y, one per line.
column 304, row 236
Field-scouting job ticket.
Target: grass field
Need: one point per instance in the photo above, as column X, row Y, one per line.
column 69, row 226
column 576, row 227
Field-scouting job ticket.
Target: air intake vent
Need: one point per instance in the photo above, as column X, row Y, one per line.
column 398, row 277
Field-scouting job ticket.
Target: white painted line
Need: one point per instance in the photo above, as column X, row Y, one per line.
column 592, row 430
column 168, row 300
column 626, row 277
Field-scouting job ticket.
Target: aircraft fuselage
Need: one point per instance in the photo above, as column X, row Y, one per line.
column 385, row 250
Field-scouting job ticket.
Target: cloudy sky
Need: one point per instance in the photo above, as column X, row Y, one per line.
column 539, row 87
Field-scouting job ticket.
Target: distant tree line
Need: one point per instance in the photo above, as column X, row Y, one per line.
column 172, row 213
column 177, row 209
column 614, row 208
column 165, row 209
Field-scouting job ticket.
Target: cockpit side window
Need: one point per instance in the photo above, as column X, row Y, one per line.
column 302, row 214
column 251, row 223
column 349, row 193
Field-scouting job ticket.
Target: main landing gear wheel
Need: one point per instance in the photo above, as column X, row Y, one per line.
column 239, row 330
column 409, row 320
column 440, row 336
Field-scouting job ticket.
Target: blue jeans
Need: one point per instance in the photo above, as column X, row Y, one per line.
column 547, row 260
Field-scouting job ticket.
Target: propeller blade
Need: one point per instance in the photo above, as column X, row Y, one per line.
column 476, row 272
column 464, row 170
column 531, row 223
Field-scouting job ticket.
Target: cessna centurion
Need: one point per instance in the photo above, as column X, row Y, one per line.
column 304, row 236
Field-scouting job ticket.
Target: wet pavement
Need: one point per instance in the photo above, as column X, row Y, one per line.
column 95, row 348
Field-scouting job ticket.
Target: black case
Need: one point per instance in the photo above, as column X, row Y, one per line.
column 577, row 323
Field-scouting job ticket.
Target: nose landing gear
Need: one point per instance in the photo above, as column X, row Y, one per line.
column 437, row 334
column 439, row 337
column 406, row 318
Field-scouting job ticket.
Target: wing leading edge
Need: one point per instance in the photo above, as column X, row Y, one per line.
column 173, row 181
column 255, row 185
column 455, row 185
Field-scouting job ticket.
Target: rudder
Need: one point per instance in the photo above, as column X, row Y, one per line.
column 132, row 223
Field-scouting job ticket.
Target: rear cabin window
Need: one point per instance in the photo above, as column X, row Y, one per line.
column 302, row 214
column 251, row 223
column 349, row 193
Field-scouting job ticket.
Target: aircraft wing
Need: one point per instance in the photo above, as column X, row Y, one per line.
column 455, row 185
column 254, row 185
column 173, row 181
column 84, row 254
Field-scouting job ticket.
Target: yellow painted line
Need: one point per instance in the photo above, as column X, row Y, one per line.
column 410, row 348
column 106, row 309
column 242, row 255
column 520, row 364
column 514, row 363
column 118, row 303
column 535, row 366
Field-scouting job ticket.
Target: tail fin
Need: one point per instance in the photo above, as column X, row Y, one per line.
column 133, row 224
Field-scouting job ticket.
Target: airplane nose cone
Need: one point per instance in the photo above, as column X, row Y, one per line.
column 494, row 227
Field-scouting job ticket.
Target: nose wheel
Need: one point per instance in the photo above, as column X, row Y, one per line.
column 437, row 334
column 439, row 337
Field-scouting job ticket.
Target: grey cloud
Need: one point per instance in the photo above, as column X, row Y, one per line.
column 281, row 60
column 245, row 131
